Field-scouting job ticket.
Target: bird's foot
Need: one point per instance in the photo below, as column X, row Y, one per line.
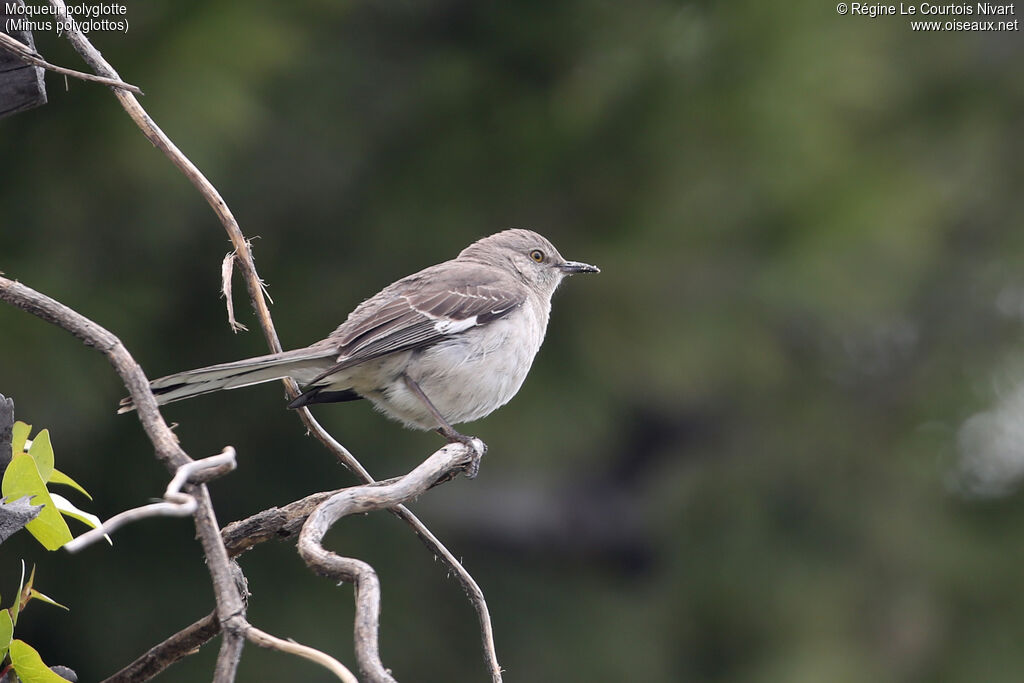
column 476, row 447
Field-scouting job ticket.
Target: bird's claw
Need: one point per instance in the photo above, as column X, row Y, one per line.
column 476, row 448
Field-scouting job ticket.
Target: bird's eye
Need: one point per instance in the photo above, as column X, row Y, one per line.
column 537, row 255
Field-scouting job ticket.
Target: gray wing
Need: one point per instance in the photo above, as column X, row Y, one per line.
column 421, row 310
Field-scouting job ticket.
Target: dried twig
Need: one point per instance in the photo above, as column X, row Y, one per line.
column 282, row 524
column 175, row 503
column 227, row 269
column 30, row 56
column 451, row 458
column 263, row 639
column 319, row 511
column 469, row 585
column 195, row 635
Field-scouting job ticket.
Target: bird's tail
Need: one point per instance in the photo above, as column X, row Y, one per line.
column 302, row 364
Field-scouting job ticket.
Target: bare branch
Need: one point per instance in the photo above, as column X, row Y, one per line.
column 175, row 504
column 358, row 499
column 469, row 585
column 283, row 523
column 230, row 652
column 30, row 56
column 277, row 523
column 195, row 635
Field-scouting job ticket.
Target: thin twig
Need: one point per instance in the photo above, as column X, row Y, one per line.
column 175, row 503
column 263, row 639
column 282, row 524
column 30, row 56
column 470, row 587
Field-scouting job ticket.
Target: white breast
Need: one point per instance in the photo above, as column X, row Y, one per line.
column 475, row 372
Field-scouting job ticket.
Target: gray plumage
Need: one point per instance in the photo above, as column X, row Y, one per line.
column 465, row 333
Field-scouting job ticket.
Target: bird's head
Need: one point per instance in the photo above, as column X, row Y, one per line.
column 529, row 255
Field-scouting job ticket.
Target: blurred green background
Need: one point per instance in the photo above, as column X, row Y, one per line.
column 777, row 439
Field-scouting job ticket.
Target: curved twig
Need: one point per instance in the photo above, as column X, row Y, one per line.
column 469, row 585
column 357, row 499
column 174, row 504
column 283, row 524
column 264, row 639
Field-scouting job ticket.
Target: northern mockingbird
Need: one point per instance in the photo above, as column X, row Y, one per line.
column 446, row 345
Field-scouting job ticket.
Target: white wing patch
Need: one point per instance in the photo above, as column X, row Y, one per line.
column 450, row 326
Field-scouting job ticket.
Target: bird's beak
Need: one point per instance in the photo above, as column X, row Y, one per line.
column 570, row 267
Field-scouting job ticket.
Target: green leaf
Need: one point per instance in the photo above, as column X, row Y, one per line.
column 6, row 632
column 42, row 452
column 29, row 665
column 59, row 477
column 36, row 595
column 19, row 435
column 22, row 479
column 26, row 592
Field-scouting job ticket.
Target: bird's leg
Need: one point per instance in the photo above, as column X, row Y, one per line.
column 447, row 431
